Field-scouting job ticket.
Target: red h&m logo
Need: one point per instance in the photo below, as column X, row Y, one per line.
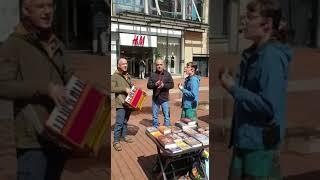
column 138, row 40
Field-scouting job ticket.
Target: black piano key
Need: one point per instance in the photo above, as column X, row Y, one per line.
column 57, row 126
column 67, row 106
column 80, row 84
column 64, row 114
column 61, row 121
column 75, row 94
column 72, row 101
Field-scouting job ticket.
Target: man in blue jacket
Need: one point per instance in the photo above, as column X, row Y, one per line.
column 190, row 90
column 259, row 92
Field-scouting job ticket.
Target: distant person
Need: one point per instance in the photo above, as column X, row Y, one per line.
column 142, row 69
column 259, row 91
column 100, row 27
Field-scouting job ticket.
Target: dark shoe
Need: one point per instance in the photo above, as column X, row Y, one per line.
column 117, row 146
column 127, row 139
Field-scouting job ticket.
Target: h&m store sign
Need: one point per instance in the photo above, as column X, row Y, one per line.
column 138, row 40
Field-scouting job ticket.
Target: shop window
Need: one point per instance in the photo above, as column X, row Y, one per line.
column 169, row 49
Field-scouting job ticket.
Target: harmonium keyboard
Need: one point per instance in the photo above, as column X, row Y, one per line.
column 82, row 121
column 135, row 98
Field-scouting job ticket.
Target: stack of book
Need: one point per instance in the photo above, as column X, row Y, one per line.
column 183, row 135
column 175, row 149
column 175, row 137
column 154, row 132
column 175, row 129
column 164, row 129
column 180, row 137
column 201, row 138
column 183, row 145
column 181, row 124
column 188, row 121
column 190, row 131
column 167, row 142
column 152, row 129
column 192, row 142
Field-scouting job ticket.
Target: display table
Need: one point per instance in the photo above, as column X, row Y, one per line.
column 166, row 159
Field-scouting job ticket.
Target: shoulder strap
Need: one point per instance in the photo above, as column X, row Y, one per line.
column 38, row 46
column 125, row 79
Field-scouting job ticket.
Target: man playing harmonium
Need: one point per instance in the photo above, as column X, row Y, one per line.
column 120, row 85
column 34, row 71
column 160, row 82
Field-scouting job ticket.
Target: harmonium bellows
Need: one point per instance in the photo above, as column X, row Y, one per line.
column 83, row 118
column 135, row 98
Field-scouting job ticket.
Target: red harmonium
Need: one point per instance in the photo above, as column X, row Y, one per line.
column 136, row 98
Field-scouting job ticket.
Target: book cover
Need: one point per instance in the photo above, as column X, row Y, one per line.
column 156, row 134
column 175, row 129
column 188, row 121
column 183, row 145
column 189, row 131
column 151, row 129
column 192, row 142
column 164, row 129
column 175, row 149
column 175, row 137
column 183, row 135
column 166, row 142
column 202, row 138
column 181, row 124
column 192, row 126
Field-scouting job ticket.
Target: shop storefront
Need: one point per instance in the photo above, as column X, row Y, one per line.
column 136, row 43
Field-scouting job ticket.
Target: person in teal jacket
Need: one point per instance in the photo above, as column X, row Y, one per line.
column 259, row 92
column 190, row 91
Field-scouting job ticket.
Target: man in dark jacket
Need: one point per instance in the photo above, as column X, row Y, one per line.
column 160, row 82
column 34, row 71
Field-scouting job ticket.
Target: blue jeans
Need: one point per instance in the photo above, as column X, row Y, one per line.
column 121, row 126
column 40, row 164
column 155, row 112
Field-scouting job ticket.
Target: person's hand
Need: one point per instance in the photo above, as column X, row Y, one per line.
column 226, row 79
column 161, row 85
column 128, row 90
column 180, row 86
column 158, row 83
column 57, row 92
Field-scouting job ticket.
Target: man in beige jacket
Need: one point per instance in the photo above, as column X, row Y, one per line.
column 34, row 71
column 120, row 85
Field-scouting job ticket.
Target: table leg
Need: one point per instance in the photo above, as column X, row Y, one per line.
column 161, row 165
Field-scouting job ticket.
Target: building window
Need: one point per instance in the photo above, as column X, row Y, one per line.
column 120, row 6
column 173, row 8
column 219, row 14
